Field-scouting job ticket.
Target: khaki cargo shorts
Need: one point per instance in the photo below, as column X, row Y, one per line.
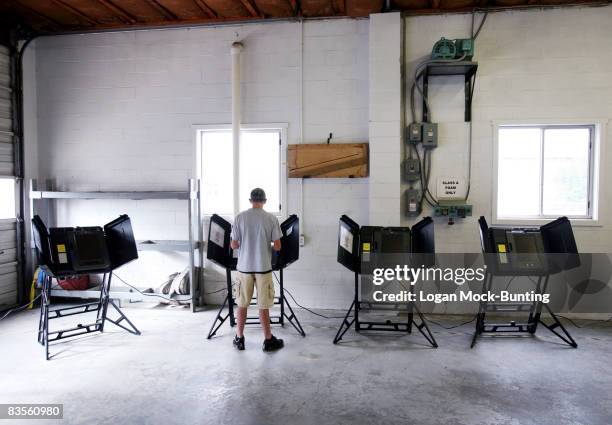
column 243, row 291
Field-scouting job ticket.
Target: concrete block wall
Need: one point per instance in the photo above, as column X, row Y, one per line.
column 115, row 112
column 385, row 118
column 545, row 65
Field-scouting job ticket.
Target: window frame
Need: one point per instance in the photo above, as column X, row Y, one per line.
column 280, row 127
column 597, row 131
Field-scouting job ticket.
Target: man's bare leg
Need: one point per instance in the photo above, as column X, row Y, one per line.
column 264, row 318
column 242, row 315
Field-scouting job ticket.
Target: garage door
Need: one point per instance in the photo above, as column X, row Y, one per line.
column 8, row 226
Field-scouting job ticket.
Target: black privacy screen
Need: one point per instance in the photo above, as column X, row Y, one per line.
column 348, row 244
column 120, row 241
column 423, row 243
column 290, row 243
column 218, row 248
column 89, row 251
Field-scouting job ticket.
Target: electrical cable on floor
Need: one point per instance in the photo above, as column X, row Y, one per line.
column 594, row 322
column 509, row 282
column 609, row 319
column 23, row 307
column 151, row 294
column 305, row 308
column 453, row 326
column 215, row 292
column 569, row 320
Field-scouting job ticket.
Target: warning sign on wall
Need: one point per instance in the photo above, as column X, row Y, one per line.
column 451, row 188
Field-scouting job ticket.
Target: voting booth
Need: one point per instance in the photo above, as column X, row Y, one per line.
column 362, row 249
column 73, row 251
column 220, row 252
column 534, row 252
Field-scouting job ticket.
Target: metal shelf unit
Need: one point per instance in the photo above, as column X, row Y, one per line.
column 436, row 69
column 46, row 205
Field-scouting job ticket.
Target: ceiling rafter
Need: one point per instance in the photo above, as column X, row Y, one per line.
column 168, row 14
column 206, row 8
column 54, row 24
column 339, row 7
column 251, row 7
column 55, row 16
column 122, row 13
column 295, row 7
column 76, row 12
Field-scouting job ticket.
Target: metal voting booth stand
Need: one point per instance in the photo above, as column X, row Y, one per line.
column 355, row 246
column 220, row 253
column 503, row 257
column 65, row 252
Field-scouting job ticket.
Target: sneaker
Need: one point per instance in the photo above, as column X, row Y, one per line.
column 239, row 343
column 272, row 344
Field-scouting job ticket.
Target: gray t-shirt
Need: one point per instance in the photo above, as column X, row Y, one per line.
column 255, row 229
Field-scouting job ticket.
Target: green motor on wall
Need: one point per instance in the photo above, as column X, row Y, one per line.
column 446, row 49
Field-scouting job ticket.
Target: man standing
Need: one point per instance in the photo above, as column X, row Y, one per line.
column 256, row 233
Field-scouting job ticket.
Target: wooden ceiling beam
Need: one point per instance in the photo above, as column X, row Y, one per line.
column 76, row 12
column 121, row 13
column 52, row 22
column 339, row 7
column 251, row 7
column 168, row 14
column 162, row 23
column 295, row 7
column 206, row 8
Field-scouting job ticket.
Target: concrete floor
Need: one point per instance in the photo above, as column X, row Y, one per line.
column 173, row 375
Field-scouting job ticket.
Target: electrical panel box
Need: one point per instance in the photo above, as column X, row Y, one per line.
column 451, row 188
column 430, row 135
column 453, row 211
column 464, row 46
column 414, row 132
column 413, row 202
column 412, row 169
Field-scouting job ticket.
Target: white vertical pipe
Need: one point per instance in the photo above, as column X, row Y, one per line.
column 236, row 120
column 301, row 91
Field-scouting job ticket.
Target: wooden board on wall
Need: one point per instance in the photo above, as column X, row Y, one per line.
column 328, row 160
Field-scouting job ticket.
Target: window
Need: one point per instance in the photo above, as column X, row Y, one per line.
column 7, row 198
column 261, row 164
column 544, row 172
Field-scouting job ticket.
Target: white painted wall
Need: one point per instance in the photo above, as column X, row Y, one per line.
column 385, row 118
column 115, row 112
column 539, row 64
